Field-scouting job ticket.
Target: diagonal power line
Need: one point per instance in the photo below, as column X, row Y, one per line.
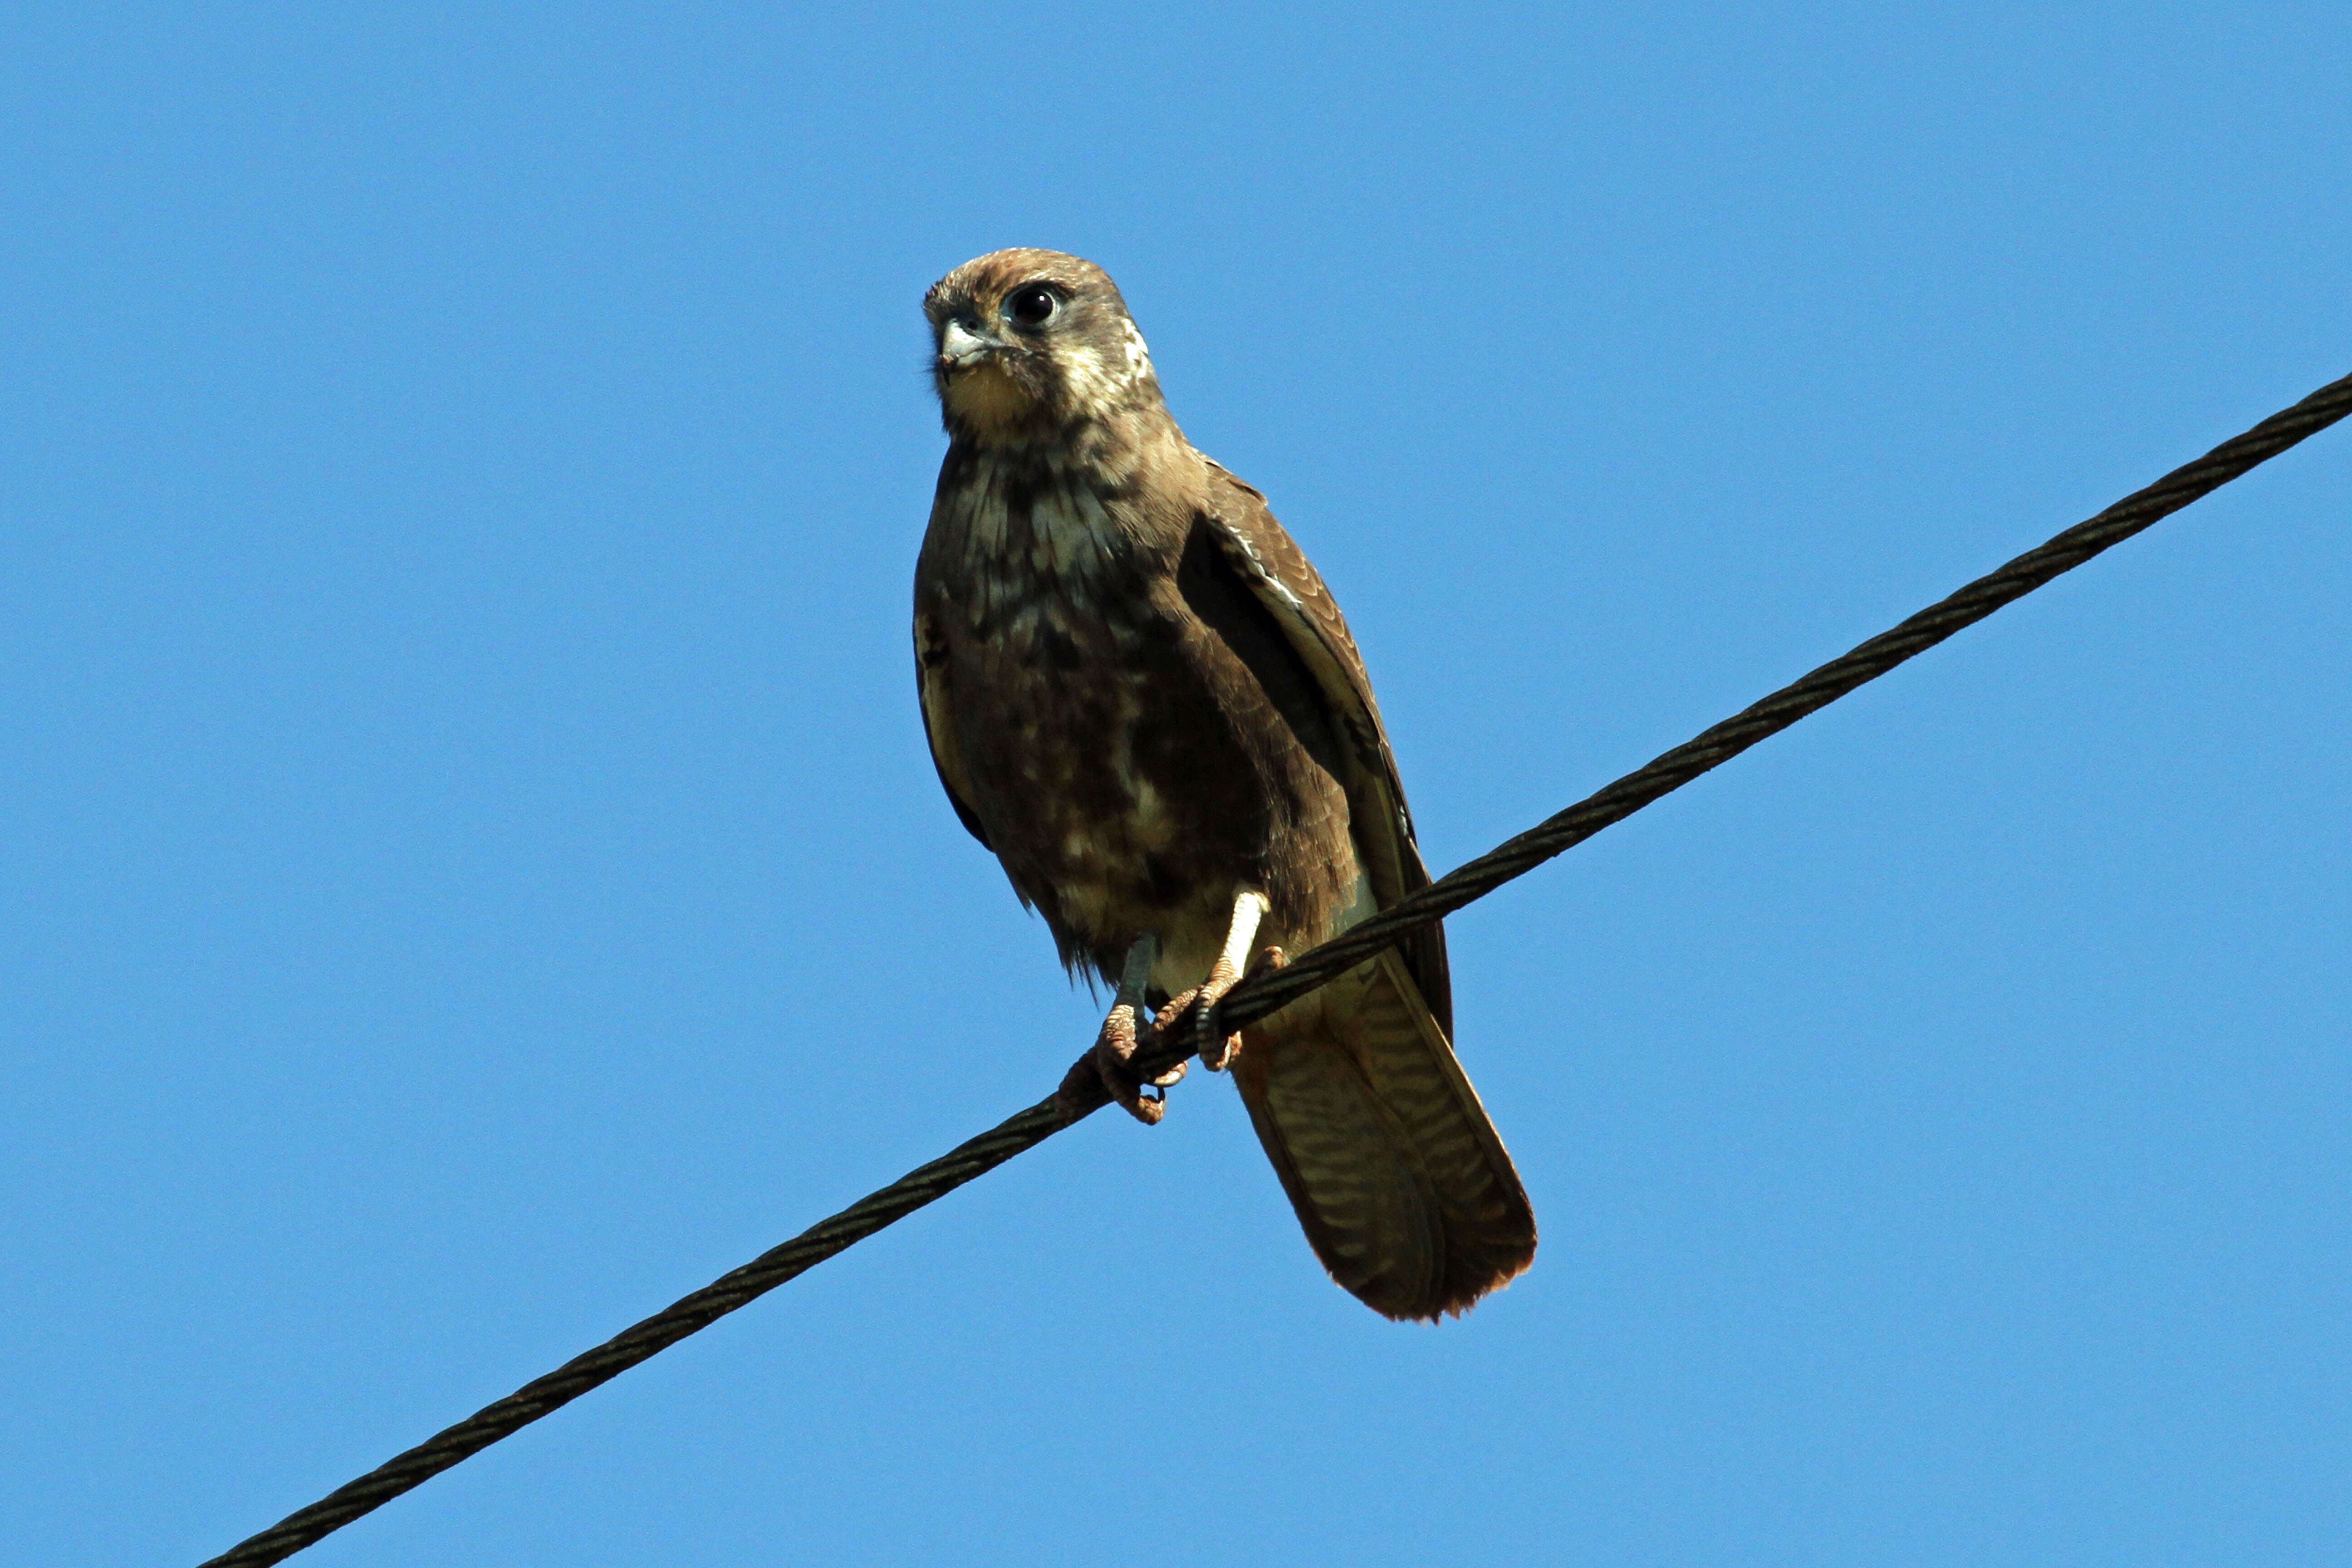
column 1081, row 1094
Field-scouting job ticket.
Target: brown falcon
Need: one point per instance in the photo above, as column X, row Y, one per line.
column 1142, row 698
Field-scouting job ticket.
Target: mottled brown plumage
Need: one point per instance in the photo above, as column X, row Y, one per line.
column 1142, row 698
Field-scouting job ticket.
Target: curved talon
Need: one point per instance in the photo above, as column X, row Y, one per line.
column 1216, row 1047
column 1113, row 1059
column 1217, row 1054
column 1170, row 1017
column 1192, row 1019
column 1114, row 1049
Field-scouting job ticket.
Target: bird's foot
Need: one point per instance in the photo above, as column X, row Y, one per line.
column 1114, row 1058
column 1196, row 1009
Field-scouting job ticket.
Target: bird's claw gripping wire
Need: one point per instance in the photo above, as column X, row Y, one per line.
column 1110, row 1063
column 1191, row 1018
column 1189, row 1022
column 1114, row 1058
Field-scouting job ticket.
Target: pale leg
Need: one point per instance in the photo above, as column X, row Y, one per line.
column 1250, row 908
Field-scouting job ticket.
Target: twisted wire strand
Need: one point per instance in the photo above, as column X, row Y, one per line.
column 1265, row 993
column 687, row 1315
column 1081, row 1093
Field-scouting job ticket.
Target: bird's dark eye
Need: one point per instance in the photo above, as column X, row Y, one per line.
column 1033, row 305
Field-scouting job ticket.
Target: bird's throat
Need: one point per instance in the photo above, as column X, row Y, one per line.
column 990, row 406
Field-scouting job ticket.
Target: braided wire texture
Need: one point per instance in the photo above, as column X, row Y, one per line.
column 641, row 1341
column 1081, row 1093
column 1265, row 993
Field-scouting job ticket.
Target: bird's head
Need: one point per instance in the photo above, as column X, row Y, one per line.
column 1030, row 344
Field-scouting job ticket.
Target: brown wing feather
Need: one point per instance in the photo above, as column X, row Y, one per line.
column 930, row 686
column 1261, row 558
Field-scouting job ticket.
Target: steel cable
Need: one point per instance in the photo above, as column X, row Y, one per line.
column 1824, row 686
column 1081, row 1093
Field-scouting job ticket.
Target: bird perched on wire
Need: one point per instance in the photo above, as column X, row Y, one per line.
column 1142, row 698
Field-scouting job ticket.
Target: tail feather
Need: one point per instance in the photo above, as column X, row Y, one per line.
column 1399, row 1178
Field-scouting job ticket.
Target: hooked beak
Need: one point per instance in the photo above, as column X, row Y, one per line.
column 962, row 348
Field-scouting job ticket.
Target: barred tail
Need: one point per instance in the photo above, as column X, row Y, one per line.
column 1400, row 1181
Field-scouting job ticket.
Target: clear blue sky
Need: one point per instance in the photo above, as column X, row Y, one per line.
column 471, row 871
